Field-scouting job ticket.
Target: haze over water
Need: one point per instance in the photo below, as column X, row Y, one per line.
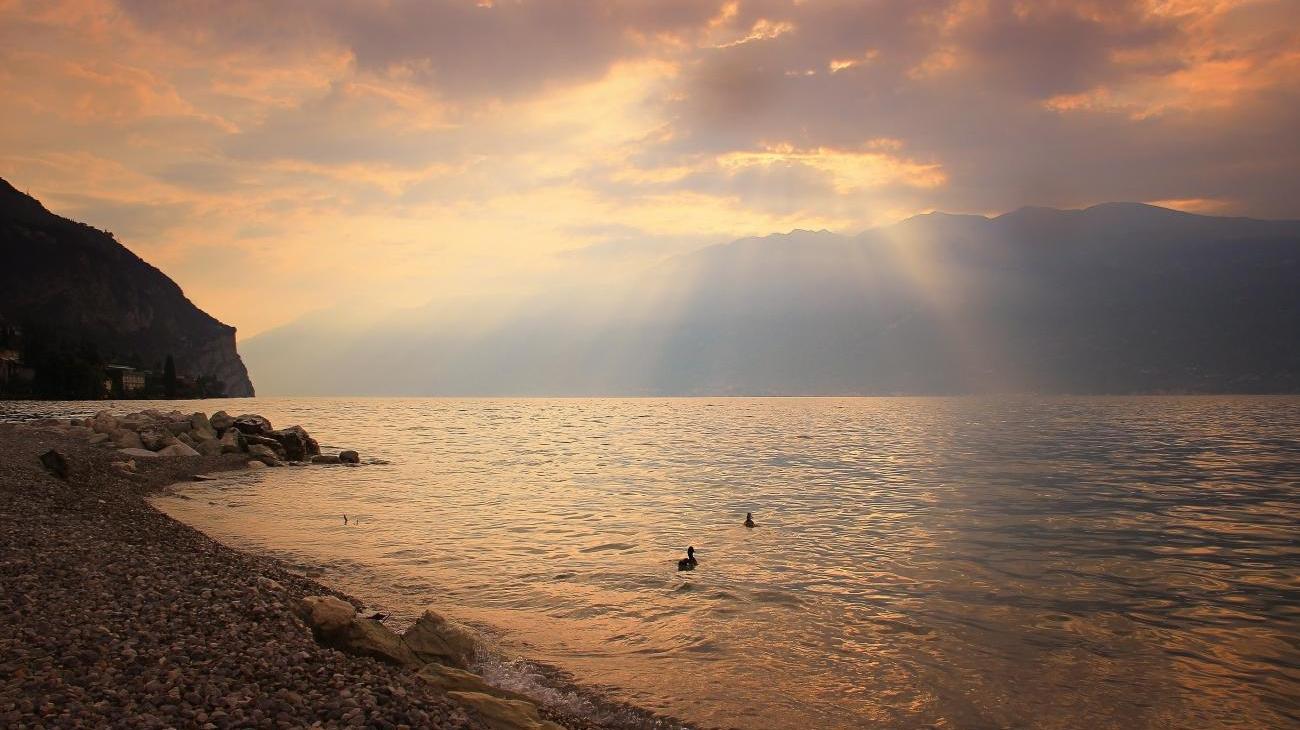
column 1098, row 562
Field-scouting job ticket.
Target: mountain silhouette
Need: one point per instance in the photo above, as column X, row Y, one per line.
column 1117, row 298
column 79, row 284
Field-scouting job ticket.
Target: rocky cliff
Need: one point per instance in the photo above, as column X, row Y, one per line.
column 79, row 283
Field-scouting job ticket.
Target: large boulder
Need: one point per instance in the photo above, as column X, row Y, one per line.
column 104, row 422
column 325, row 459
column 155, row 438
column 209, row 447
column 201, row 427
column 364, row 637
column 260, row 451
column 334, row 623
column 221, row 421
column 326, row 614
column 177, row 450
column 252, row 424
column 435, row 639
column 177, row 427
column 125, row 439
column 233, row 442
column 349, row 457
column 270, row 443
column 145, row 453
column 296, row 442
column 450, row 679
column 500, row 714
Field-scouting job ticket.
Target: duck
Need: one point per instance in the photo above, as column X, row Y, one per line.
column 689, row 562
column 749, row 519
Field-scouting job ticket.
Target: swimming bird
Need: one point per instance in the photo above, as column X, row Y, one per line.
column 689, row 562
column 749, row 519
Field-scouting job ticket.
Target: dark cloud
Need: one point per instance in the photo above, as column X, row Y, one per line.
column 459, row 48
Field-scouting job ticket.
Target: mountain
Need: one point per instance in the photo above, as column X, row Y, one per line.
column 1117, row 298
column 78, row 284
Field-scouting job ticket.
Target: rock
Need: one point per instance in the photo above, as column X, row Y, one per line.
column 127, row 439
column 435, row 639
column 265, row 455
column 252, row 424
column 55, row 463
column 326, row 459
column 185, row 439
column 176, row 428
column 233, row 442
column 154, row 438
column 501, row 714
column 128, row 465
column 202, row 427
column 326, row 614
column 295, row 442
column 209, row 447
column 349, row 457
column 145, row 453
column 267, row 441
column 269, row 584
column 99, row 438
column 80, row 432
column 221, row 421
column 450, row 679
column 104, row 422
column 177, row 450
column 364, row 637
column 252, row 464
column 203, row 478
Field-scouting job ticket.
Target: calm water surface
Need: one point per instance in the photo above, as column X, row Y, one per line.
column 956, row 562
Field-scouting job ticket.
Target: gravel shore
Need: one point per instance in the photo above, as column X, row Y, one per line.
column 116, row 615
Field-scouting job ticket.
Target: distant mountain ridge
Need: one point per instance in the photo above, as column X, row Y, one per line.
column 79, row 282
column 1116, row 298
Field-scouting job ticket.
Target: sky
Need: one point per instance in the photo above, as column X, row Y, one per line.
column 281, row 157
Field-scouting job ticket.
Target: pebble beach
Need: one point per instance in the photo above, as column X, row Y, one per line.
column 117, row 615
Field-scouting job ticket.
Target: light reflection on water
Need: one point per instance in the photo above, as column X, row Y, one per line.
column 957, row 562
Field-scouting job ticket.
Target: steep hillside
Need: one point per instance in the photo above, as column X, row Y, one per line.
column 79, row 283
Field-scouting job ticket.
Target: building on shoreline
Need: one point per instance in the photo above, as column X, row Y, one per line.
column 124, row 381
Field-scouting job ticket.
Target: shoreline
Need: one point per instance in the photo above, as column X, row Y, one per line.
column 118, row 613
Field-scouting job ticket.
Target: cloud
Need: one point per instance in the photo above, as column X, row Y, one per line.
column 455, row 149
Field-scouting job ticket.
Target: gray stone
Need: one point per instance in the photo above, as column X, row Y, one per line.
column 127, row 439
column 326, row 614
column 177, row 450
column 202, row 427
column 349, row 457
column 500, row 714
column 221, row 421
column 253, row 464
column 233, row 442
column 435, row 639
column 450, row 679
column 252, row 424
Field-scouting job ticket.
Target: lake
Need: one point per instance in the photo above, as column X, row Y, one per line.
column 956, row 562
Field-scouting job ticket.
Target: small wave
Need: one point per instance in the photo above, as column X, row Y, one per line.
column 780, row 598
column 607, row 546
